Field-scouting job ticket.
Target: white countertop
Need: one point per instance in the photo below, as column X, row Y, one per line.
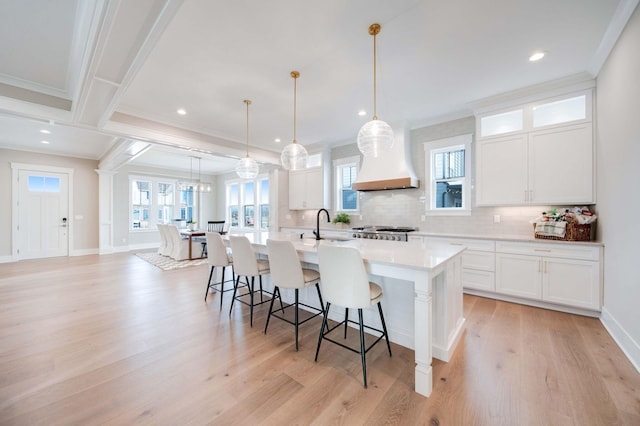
column 395, row 253
column 521, row 238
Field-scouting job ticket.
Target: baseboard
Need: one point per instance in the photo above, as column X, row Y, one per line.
column 84, row 252
column 6, row 259
column 629, row 347
column 535, row 303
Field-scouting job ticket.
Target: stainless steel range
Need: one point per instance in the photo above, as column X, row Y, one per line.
column 389, row 233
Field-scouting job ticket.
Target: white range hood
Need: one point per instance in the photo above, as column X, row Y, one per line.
column 392, row 170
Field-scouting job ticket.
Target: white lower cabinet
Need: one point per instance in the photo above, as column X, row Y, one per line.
column 564, row 275
column 478, row 261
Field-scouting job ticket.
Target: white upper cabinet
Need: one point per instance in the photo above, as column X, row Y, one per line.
column 545, row 158
column 306, row 189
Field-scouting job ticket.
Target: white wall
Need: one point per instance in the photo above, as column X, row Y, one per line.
column 618, row 175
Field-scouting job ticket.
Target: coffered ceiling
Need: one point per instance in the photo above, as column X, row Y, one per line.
column 102, row 74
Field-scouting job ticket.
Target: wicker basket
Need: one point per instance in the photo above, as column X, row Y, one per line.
column 575, row 232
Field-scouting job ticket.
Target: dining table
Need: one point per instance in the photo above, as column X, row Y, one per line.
column 190, row 234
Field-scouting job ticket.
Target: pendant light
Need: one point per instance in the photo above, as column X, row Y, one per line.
column 375, row 137
column 194, row 185
column 247, row 167
column 294, row 156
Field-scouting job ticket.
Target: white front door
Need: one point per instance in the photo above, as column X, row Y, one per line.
column 43, row 214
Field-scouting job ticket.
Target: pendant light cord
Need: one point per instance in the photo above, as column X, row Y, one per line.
column 375, row 111
column 248, row 102
column 295, row 75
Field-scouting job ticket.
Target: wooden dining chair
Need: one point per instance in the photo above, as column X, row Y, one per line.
column 212, row 226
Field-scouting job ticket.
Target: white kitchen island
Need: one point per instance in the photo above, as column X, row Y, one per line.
column 430, row 276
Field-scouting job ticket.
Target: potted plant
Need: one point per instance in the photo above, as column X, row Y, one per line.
column 192, row 224
column 341, row 219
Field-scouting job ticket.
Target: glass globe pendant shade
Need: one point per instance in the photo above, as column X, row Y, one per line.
column 375, row 138
column 247, row 168
column 294, row 157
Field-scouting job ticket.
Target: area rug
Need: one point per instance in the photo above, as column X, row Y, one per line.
column 166, row 263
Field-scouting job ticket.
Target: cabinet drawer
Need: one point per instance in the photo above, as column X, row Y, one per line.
column 564, row 250
column 469, row 243
column 479, row 280
column 480, row 260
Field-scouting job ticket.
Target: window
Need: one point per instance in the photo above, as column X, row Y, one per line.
column 140, row 200
column 346, row 172
column 43, row 184
column 165, row 202
column 242, row 199
column 447, row 166
column 187, row 200
column 157, row 200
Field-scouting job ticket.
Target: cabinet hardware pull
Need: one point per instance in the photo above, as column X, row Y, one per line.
column 456, row 244
column 544, row 250
column 545, row 266
column 539, row 265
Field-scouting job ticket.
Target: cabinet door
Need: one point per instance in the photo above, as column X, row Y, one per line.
column 561, row 165
column 519, row 275
column 297, row 183
column 501, row 171
column 571, row 282
column 479, row 280
column 314, row 191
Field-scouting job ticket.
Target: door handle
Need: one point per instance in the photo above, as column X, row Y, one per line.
column 64, row 222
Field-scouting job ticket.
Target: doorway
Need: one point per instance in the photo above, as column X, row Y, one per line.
column 41, row 216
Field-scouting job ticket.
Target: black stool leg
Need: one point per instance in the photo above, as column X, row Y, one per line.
column 384, row 327
column 320, row 297
column 260, row 278
column 253, row 281
column 280, row 297
column 296, row 320
column 275, row 291
column 346, row 321
column 363, row 353
column 324, row 324
column 221, row 286
column 235, row 290
column 209, row 283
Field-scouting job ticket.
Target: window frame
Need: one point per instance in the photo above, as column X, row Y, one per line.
column 445, row 145
column 257, row 204
column 338, row 166
column 154, row 204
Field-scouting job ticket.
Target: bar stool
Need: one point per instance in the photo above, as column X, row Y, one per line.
column 220, row 257
column 345, row 283
column 286, row 272
column 246, row 265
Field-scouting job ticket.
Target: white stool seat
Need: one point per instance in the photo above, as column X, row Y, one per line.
column 345, row 283
column 246, row 265
column 311, row 276
column 376, row 293
column 217, row 256
column 287, row 272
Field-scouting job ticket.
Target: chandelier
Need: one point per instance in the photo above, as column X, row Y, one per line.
column 294, row 156
column 247, row 168
column 194, row 185
column 376, row 136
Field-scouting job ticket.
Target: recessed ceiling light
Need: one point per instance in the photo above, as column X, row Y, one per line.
column 277, row 140
column 536, row 56
column 45, row 142
column 45, row 131
column 182, row 111
column 362, row 113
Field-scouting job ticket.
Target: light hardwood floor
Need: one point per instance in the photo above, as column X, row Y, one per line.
column 114, row 340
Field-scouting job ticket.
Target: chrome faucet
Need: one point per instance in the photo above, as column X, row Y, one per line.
column 317, row 231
